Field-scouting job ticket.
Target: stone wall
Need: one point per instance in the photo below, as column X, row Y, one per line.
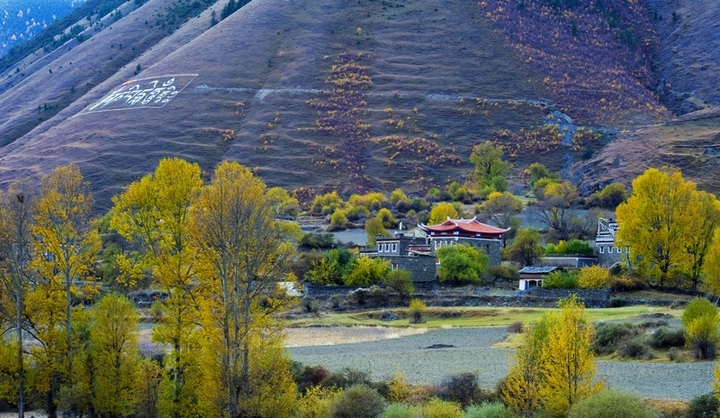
column 422, row 269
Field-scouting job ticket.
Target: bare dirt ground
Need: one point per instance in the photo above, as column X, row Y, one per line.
column 471, row 349
column 306, row 337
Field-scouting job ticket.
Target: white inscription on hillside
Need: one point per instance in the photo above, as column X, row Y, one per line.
column 143, row 93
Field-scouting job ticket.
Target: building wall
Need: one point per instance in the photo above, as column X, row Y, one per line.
column 608, row 254
column 421, row 268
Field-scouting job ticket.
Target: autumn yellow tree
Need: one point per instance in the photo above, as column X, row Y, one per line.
column 16, row 213
column 568, row 362
column 66, row 246
column 153, row 215
column 245, row 252
column 520, row 390
column 711, row 266
column 706, row 223
column 658, row 221
column 116, row 357
column 441, row 212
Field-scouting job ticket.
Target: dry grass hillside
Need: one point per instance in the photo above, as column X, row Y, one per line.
column 326, row 94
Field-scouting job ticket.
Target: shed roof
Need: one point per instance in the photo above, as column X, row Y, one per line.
column 472, row 226
column 538, row 269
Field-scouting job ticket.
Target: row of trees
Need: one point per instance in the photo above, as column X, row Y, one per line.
column 217, row 252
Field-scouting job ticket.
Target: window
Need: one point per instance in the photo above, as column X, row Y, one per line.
column 394, row 266
column 386, row 247
column 379, row 248
column 602, row 250
column 394, row 247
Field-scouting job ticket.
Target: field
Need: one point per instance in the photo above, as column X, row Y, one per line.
column 470, row 317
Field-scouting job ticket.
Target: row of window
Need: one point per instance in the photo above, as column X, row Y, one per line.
column 610, row 250
column 387, row 248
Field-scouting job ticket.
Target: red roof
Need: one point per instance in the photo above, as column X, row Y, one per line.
column 469, row 227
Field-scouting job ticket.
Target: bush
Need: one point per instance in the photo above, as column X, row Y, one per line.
column 346, row 378
column 617, row 302
column 399, row 410
column 674, row 354
column 438, row 408
column 400, row 281
column 626, row 284
column 608, row 335
column 317, row 241
column 359, row 296
column 665, row 337
column 611, row 403
column 489, row 410
column 515, row 328
column 317, row 402
column 462, row 388
column 308, row 376
column 360, row 401
column 634, row 349
column 501, row 272
column 561, row 280
column 417, row 309
column 703, row 406
column 572, row 247
column 310, row 304
column 700, row 319
column 594, row 277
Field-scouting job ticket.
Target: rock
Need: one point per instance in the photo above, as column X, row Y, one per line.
column 386, row 315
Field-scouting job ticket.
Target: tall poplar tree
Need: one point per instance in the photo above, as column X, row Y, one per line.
column 245, row 252
column 153, row 215
column 66, row 246
column 16, row 213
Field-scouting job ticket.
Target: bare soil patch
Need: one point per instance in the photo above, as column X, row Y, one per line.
column 313, row 336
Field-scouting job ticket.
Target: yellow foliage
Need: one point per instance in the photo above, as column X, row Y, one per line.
column 317, row 402
column 594, row 277
column 568, row 362
column 441, row 212
column 399, row 390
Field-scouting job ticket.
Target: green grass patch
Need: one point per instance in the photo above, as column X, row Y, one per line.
column 470, row 316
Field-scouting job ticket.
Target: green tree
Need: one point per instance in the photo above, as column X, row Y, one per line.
column 373, row 228
column 526, row 247
column 441, row 212
column 244, row 252
column 489, row 166
column 462, row 263
column 658, row 221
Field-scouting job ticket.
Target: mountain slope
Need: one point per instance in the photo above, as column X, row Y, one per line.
column 321, row 94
